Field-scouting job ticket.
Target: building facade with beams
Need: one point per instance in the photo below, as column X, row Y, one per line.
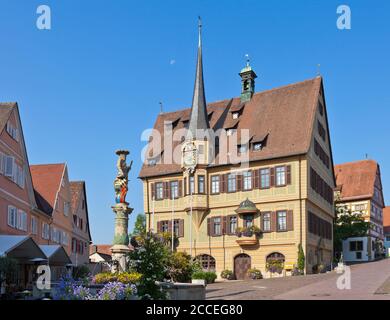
column 359, row 190
column 243, row 181
column 38, row 204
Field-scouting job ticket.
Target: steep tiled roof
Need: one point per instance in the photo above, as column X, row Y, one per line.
column 284, row 115
column 386, row 218
column 356, row 179
column 46, row 181
column 76, row 189
column 5, row 111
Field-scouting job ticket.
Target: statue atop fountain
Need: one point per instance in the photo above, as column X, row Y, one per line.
column 120, row 248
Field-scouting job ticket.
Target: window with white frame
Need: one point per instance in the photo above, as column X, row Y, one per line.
column 22, row 220
column 159, row 191
column 280, row 176
column 34, row 225
column 192, row 184
column 235, row 115
column 65, row 239
column 247, row 180
column 19, row 176
column 232, row 182
column 265, row 178
column 9, row 166
column 45, row 231
column 282, row 220
column 175, row 189
column 232, row 224
column 66, row 208
column 267, row 221
column 217, row 226
column 214, row 184
column 12, row 216
column 2, row 162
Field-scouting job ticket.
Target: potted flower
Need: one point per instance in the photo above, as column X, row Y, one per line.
column 275, row 266
column 227, row 274
column 255, row 274
column 239, row 231
column 255, row 230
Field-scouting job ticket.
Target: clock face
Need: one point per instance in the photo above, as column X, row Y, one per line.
column 189, row 155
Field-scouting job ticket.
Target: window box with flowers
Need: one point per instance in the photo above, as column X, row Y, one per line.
column 248, row 236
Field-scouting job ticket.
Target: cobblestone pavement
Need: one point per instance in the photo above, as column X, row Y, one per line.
column 366, row 279
column 265, row 289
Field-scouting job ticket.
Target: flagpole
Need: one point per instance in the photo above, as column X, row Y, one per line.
column 173, row 222
column 152, row 229
column 191, row 214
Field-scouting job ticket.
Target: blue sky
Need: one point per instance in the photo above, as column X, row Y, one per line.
column 92, row 84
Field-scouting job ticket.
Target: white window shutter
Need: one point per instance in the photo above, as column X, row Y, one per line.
column 24, row 221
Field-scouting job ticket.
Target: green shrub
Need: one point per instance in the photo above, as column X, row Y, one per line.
column 8, row 271
column 129, row 277
column 124, row 277
column 227, row 274
column 105, row 277
column 205, row 275
column 80, row 272
column 301, row 259
column 179, row 267
column 150, row 258
column 255, row 274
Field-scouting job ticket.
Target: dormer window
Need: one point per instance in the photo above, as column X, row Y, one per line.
column 242, row 148
column 186, row 124
column 152, row 162
column 12, row 131
column 235, row 115
column 229, row 132
column 257, row 146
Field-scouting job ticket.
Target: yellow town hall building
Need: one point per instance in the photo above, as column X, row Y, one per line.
column 244, row 180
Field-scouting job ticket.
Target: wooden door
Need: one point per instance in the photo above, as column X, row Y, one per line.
column 242, row 263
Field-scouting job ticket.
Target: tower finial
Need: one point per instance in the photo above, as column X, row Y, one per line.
column 318, row 69
column 199, row 117
column 200, row 31
column 247, row 60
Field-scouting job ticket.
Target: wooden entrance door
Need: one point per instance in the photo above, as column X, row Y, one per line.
column 242, row 263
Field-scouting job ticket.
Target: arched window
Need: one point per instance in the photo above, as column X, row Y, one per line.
column 275, row 262
column 207, row 262
column 276, row 256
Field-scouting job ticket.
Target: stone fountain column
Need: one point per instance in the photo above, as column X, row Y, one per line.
column 120, row 248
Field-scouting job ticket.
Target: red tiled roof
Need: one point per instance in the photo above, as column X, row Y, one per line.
column 102, row 248
column 46, row 181
column 386, row 217
column 356, row 179
column 285, row 114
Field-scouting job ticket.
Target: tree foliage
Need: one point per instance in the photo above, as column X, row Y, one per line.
column 301, row 258
column 139, row 226
column 8, row 270
column 150, row 258
column 348, row 225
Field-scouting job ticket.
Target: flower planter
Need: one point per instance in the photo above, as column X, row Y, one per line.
column 247, row 241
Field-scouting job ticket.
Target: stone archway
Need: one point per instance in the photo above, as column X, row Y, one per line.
column 242, row 263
